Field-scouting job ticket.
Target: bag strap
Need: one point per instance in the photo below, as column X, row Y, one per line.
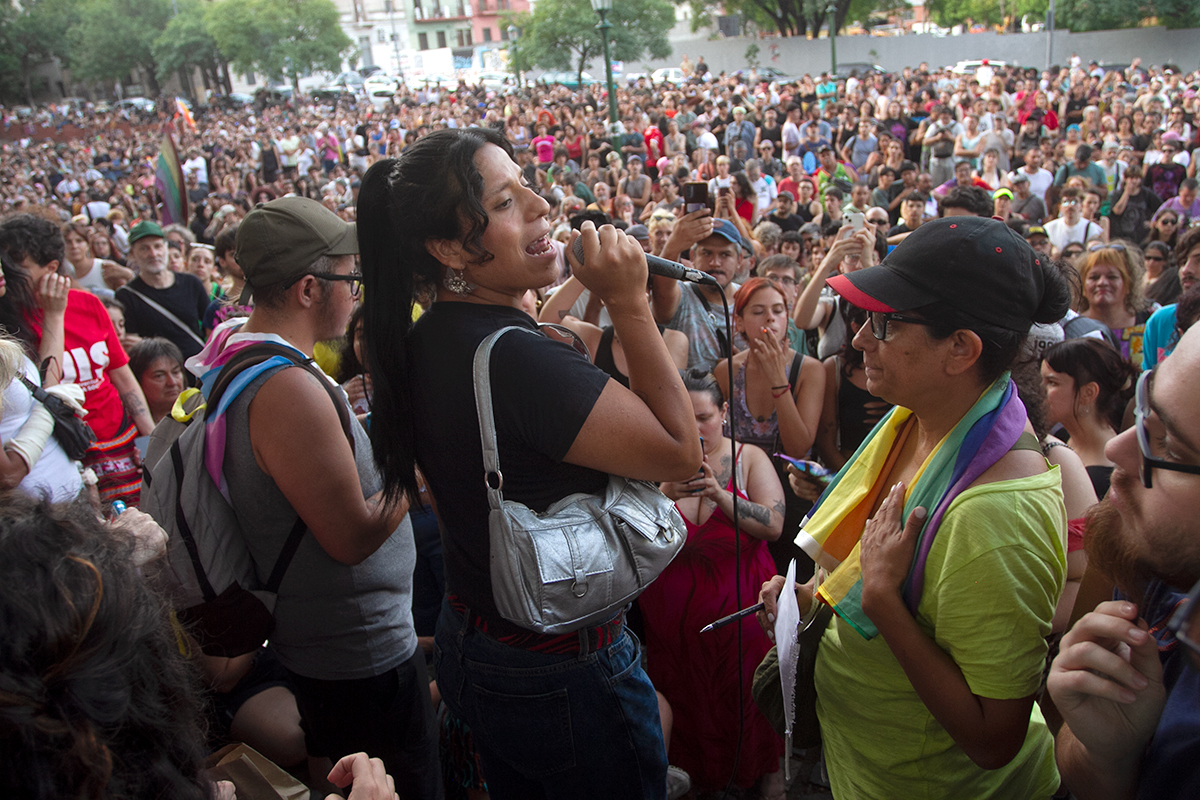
column 242, row 360
column 38, row 392
column 487, row 420
column 185, row 530
column 256, row 354
column 183, row 326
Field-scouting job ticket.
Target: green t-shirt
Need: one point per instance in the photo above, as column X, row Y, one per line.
column 992, row 579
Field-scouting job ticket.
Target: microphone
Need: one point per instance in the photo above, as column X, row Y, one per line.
column 661, row 267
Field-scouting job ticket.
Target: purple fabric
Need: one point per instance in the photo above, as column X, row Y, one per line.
column 992, row 436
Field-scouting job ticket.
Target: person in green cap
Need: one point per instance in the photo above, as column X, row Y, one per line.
column 159, row 302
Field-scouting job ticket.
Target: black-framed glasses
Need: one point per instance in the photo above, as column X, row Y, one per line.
column 1141, row 410
column 880, row 320
column 354, row 279
column 1185, row 624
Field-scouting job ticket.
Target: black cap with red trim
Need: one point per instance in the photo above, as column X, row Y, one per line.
column 977, row 265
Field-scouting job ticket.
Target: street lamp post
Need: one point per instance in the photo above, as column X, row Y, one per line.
column 513, row 33
column 602, row 7
column 832, row 9
column 390, row 7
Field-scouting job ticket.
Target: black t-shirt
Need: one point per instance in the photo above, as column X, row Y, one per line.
column 542, row 392
column 185, row 298
column 791, row 222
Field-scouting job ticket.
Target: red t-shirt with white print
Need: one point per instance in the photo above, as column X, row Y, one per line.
column 92, row 349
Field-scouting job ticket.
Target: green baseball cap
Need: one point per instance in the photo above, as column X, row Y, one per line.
column 279, row 241
column 143, row 229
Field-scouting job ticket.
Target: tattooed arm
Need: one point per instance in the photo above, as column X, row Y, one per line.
column 133, row 399
column 762, row 515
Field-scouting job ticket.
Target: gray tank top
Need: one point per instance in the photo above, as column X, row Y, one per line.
column 332, row 621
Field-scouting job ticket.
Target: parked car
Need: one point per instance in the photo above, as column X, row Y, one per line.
column 971, row 66
column 863, row 68
column 496, row 81
column 667, row 75
column 768, row 73
column 571, row 80
column 142, row 104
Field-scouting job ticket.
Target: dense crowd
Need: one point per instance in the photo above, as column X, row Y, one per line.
column 884, row 247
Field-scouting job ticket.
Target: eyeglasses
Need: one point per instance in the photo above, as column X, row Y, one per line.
column 1098, row 246
column 1141, row 410
column 354, row 278
column 878, row 221
column 1168, row 221
column 1185, row 624
column 1155, row 258
column 880, row 320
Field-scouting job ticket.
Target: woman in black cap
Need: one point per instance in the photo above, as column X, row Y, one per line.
column 943, row 534
column 552, row 716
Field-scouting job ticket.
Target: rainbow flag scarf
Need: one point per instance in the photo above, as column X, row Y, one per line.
column 832, row 529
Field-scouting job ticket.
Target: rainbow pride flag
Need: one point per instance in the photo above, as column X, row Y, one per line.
column 168, row 177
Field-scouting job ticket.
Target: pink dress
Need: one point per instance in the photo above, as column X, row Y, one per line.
column 701, row 674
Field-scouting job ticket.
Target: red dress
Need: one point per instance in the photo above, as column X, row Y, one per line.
column 699, row 673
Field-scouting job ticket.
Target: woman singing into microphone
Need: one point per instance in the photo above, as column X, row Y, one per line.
column 568, row 716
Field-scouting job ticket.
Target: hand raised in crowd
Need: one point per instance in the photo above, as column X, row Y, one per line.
column 770, row 355
column 1107, row 682
column 52, row 293
column 689, row 229
column 847, row 244
column 370, row 777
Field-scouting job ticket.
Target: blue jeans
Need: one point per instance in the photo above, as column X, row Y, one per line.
column 554, row 726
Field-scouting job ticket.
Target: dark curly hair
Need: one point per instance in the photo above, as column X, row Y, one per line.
column 432, row 192
column 96, row 700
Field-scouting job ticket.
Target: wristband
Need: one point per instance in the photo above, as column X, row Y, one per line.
column 786, row 390
column 783, row 386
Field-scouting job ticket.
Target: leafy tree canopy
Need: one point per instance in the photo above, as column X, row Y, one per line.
column 562, row 34
column 286, row 38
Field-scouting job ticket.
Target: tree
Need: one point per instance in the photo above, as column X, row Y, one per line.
column 29, row 34
column 113, row 37
column 186, row 44
column 287, row 38
column 562, row 34
column 1007, row 13
column 789, row 17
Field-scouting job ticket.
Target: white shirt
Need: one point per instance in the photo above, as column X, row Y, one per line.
column 1039, row 181
column 766, row 190
column 54, row 473
column 198, row 166
column 1061, row 235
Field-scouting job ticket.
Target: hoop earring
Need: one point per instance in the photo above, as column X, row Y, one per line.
column 455, row 282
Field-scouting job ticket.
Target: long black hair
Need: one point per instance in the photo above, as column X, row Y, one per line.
column 432, row 192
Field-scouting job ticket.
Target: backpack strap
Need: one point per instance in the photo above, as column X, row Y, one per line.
column 718, row 325
column 242, row 360
column 185, row 530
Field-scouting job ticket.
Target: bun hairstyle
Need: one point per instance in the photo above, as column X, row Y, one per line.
column 1092, row 361
column 96, row 700
column 432, row 192
column 702, row 382
column 1002, row 346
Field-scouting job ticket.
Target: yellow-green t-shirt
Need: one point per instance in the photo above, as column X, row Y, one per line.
column 992, row 579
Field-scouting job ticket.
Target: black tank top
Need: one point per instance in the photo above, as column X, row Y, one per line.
column 854, row 423
column 604, row 355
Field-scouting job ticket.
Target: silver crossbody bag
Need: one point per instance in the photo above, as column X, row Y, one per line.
column 583, row 559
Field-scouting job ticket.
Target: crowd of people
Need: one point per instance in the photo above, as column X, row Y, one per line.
column 937, row 304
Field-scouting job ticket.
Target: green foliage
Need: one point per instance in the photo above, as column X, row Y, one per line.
column 789, row 17
column 29, row 35
column 562, row 34
column 277, row 38
column 752, row 56
column 186, row 42
column 112, row 37
column 989, row 12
